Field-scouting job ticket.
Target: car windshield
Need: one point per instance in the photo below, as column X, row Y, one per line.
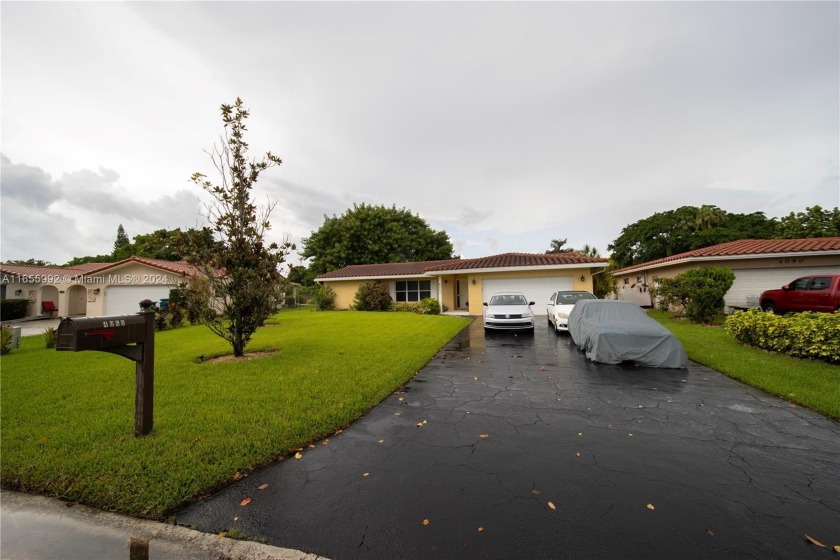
column 571, row 298
column 508, row 299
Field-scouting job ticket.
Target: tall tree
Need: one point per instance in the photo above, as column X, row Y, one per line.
column 684, row 229
column 241, row 270
column 813, row 222
column 371, row 235
column 122, row 239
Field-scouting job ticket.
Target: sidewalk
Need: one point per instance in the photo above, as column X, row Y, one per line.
column 39, row 528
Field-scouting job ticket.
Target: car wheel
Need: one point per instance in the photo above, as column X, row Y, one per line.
column 769, row 308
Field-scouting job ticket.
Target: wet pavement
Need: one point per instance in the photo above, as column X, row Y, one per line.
column 515, row 446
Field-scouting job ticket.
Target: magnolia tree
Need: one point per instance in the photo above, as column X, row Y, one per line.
column 240, row 273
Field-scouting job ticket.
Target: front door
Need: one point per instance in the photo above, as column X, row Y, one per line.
column 461, row 292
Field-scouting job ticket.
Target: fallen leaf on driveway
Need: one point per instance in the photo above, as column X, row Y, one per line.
column 536, row 492
column 222, row 534
column 484, row 436
column 262, row 486
column 381, row 441
column 245, row 502
column 366, row 474
column 480, row 529
column 542, row 368
column 298, row 455
column 425, row 522
column 814, row 541
column 837, row 548
column 650, row 506
column 577, row 454
column 552, row 506
column 325, row 442
column 710, row 533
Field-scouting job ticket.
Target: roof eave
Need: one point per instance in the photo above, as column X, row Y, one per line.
column 685, row 260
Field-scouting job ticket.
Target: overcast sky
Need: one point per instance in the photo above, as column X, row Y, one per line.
column 504, row 124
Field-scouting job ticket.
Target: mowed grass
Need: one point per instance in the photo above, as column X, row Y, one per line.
column 810, row 383
column 68, row 418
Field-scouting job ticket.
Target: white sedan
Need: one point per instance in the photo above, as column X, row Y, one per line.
column 559, row 307
column 508, row 310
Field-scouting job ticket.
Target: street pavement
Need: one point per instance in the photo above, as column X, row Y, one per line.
column 510, row 445
column 40, row 528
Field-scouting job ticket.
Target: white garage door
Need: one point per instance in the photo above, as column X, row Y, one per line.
column 125, row 300
column 538, row 290
column 749, row 284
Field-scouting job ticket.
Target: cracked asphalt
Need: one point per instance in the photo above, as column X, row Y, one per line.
column 636, row 462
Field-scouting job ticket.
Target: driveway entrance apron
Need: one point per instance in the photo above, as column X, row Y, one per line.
column 511, row 445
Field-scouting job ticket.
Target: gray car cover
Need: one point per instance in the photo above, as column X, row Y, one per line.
column 612, row 332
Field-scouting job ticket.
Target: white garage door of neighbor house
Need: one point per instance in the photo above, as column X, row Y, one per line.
column 538, row 290
column 749, row 284
column 125, row 300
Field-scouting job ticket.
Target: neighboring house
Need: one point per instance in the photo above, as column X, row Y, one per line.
column 464, row 284
column 93, row 289
column 758, row 264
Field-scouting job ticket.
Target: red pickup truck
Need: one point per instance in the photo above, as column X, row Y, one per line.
column 809, row 293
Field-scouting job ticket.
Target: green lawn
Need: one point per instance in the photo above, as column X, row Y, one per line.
column 68, row 418
column 811, row 383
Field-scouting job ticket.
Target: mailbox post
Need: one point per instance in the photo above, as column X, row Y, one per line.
column 130, row 336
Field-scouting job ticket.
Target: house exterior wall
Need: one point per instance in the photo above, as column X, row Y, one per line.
column 477, row 304
column 628, row 283
column 77, row 295
column 345, row 290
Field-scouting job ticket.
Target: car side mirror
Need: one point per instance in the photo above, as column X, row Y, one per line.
column 531, row 303
column 551, row 303
column 485, row 304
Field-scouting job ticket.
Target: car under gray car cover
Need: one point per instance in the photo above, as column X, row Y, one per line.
column 612, row 332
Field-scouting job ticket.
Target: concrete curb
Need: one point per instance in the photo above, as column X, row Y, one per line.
column 40, row 527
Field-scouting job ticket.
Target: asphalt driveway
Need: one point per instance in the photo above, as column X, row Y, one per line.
column 514, row 446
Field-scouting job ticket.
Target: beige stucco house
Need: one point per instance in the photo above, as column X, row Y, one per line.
column 464, row 284
column 93, row 289
column 758, row 265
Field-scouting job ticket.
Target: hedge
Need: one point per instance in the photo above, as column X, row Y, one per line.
column 11, row 309
column 802, row 335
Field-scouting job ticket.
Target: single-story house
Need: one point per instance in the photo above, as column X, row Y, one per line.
column 758, row 265
column 93, row 289
column 464, row 284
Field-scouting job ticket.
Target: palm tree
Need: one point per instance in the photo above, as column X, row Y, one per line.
column 589, row 251
column 557, row 247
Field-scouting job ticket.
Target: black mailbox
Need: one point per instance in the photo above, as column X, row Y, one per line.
column 99, row 333
column 131, row 336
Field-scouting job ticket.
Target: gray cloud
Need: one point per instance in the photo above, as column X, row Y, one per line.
column 30, row 186
column 581, row 117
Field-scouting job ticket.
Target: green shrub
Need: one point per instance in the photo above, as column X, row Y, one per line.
column 324, row 298
column 802, row 335
column 11, row 309
column 699, row 292
column 372, row 296
column 50, row 336
column 428, row 306
column 405, row 306
column 177, row 307
column 7, row 336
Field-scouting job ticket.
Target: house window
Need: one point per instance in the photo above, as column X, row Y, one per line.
column 626, row 280
column 414, row 290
